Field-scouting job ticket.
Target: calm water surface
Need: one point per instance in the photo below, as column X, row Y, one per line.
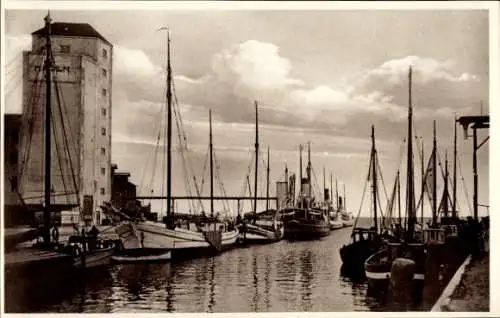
column 285, row 276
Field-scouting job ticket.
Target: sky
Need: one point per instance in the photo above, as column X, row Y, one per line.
column 322, row 77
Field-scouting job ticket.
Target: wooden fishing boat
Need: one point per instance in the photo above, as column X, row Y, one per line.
column 347, row 219
column 366, row 241
column 254, row 228
column 335, row 220
column 378, row 266
column 185, row 235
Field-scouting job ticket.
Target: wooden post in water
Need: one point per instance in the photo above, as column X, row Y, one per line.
column 401, row 282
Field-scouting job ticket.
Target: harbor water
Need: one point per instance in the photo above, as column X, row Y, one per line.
column 280, row 277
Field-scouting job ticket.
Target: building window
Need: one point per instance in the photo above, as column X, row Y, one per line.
column 104, row 72
column 104, row 92
column 104, row 53
column 103, row 111
column 103, row 131
column 103, row 151
column 65, row 48
column 103, row 171
column 103, row 191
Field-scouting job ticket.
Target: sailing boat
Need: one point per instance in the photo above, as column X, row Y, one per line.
column 306, row 220
column 184, row 235
column 347, row 217
column 335, row 216
column 83, row 250
column 365, row 240
column 260, row 230
column 378, row 266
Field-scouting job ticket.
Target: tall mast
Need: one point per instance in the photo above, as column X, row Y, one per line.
column 399, row 200
column 287, row 184
column 169, row 129
column 423, row 185
column 309, row 194
column 256, row 162
column 434, row 180
column 48, row 95
column 324, row 184
column 337, row 193
column 374, row 179
column 211, row 165
column 445, row 196
column 331, row 188
column 410, row 208
column 454, row 206
column 300, row 172
column 267, row 181
column 344, row 205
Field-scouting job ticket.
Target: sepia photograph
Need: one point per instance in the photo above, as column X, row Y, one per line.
column 225, row 157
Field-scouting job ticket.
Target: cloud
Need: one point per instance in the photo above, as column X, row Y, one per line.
column 256, row 65
column 426, row 70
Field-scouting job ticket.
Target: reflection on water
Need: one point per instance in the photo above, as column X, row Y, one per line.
column 285, row 276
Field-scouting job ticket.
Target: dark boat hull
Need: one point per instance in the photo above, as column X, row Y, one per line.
column 95, row 258
column 305, row 224
column 300, row 231
column 355, row 254
column 378, row 269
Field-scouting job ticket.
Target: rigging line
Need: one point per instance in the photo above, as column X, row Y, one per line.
column 12, row 86
column 465, row 187
column 15, row 70
column 180, row 127
column 156, row 148
column 61, row 102
column 153, row 156
column 183, row 145
column 56, row 142
column 14, row 59
column 33, row 100
column 9, row 87
column 218, row 176
column 202, row 183
column 34, row 54
column 362, row 197
column 65, row 139
column 382, row 215
column 381, row 176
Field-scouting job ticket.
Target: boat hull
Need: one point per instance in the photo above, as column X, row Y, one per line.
column 348, row 223
column 335, row 225
column 97, row 258
column 378, row 272
column 301, row 231
column 182, row 243
column 355, row 254
column 254, row 234
column 142, row 255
